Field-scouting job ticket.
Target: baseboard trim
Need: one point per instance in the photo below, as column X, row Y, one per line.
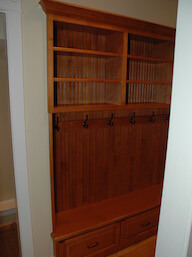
column 7, row 205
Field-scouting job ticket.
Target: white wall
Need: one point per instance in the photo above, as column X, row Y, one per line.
column 35, row 90
column 36, row 115
column 176, row 213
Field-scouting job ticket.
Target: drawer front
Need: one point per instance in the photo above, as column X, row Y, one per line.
column 139, row 223
column 95, row 243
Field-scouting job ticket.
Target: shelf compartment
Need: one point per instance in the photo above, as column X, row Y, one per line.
column 85, row 52
column 149, row 59
column 69, row 35
column 80, row 220
column 150, row 47
column 76, row 66
column 139, row 70
column 144, row 92
column 87, row 93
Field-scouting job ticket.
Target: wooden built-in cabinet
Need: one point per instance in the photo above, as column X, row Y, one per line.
column 109, row 92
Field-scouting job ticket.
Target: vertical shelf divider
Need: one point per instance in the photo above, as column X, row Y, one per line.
column 50, row 64
column 124, row 67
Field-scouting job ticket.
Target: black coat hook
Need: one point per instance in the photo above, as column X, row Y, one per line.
column 151, row 119
column 85, row 125
column 57, row 128
column 132, row 120
column 110, row 123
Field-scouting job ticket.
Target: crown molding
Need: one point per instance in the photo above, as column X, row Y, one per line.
column 115, row 21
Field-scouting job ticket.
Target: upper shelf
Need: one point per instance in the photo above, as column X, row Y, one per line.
column 148, row 82
column 150, row 59
column 150, row 49
column 76, row 38
column 85, row 52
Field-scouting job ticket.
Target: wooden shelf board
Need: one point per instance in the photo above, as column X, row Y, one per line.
column 86, row 80
column 152, row 59
column 86, row 52
column 108, row 107
column 80, row 220
column 148, row 82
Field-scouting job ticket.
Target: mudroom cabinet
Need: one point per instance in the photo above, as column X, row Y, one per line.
column 109, row 92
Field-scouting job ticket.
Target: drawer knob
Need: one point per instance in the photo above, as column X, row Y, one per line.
column 92, row 246
column 146, row 224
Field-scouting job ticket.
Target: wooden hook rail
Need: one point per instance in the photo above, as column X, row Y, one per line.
column 117, row 121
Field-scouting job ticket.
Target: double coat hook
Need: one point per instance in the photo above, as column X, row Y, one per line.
column 110, row 123
column 57, row 128
column 151, row 119
column 132, row 120
column 85, row 125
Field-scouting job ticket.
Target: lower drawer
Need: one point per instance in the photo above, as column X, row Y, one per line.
column 139, row 227
column 100, row 242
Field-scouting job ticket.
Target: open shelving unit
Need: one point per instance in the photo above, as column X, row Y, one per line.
column 150, row 63
column 99, row 68
column 87, row 65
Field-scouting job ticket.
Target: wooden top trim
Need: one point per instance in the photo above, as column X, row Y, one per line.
column 101, row 17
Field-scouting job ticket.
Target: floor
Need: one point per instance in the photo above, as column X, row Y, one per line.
column 145, row 248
